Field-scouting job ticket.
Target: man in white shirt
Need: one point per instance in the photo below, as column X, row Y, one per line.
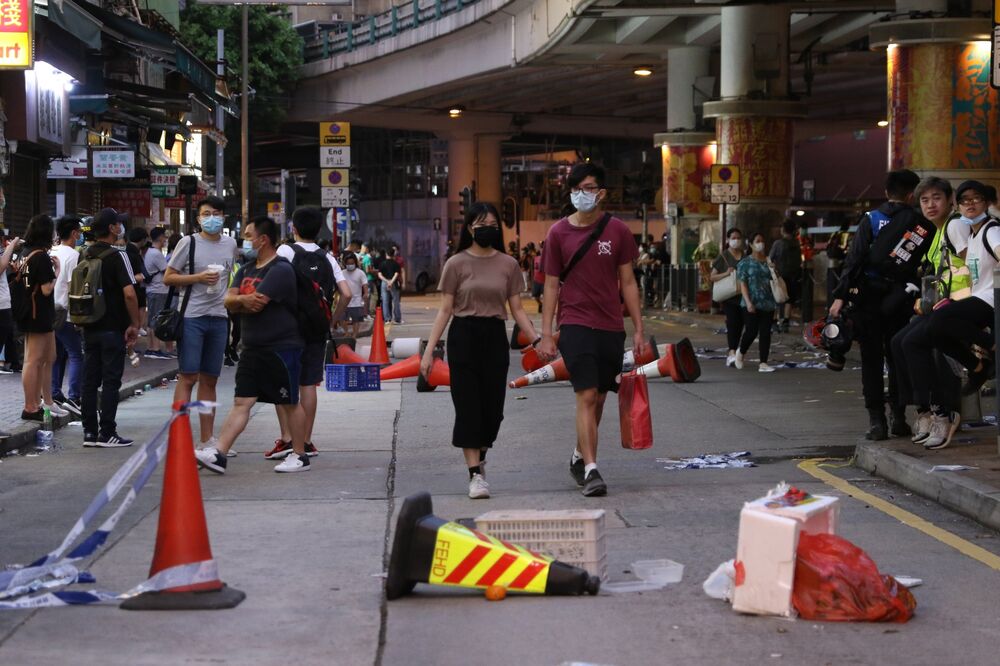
column 69, row 343
column 306, row 224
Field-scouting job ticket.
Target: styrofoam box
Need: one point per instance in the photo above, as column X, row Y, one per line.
column 573, row 536
column 765, row 552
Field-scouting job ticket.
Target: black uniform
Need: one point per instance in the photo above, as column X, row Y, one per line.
column 885, row 255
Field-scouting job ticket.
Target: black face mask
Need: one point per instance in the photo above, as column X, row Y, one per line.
column 486, row 236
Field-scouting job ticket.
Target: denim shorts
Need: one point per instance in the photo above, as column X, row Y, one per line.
column 154, row 303
column 203, row 345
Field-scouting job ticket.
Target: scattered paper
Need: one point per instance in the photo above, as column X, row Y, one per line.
column 710, row 461
column 950, row 468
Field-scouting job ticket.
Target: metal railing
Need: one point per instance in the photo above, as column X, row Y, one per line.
column 347, row 37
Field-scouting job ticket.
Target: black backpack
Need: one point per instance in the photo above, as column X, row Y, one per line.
column 21, row 290
column 315, row 265
column 313, row 309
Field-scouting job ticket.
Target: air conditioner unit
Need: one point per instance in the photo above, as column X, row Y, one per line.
column 336, row 16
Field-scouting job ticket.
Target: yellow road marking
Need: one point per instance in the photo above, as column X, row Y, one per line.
column 967, row 548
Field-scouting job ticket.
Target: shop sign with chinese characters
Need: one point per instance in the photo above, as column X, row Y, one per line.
column 112, row 161
column 163, row 181
column 16, row 34
column 137, row 202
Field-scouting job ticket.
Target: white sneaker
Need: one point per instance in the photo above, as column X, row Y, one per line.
column 143, row 332
column 56, row 410
column 478, row 488
column 293, row 462
column 922, row 427
column 738, row 360
column 764, row 367
column 730, row 359
column 211, row 459
column 942, row 430
column 213, row 442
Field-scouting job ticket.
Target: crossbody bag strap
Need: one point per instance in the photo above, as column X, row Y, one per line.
column 187, row 291
column 587, row 244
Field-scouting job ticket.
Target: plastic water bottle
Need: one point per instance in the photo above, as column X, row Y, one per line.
column 133, row 358
column 47, row 418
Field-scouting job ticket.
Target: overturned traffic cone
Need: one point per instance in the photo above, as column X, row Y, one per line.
column 630, row 361
column 379, row 353
column 344, row 355
column 407, row 368
column 440, row 375
column 182, row 556
column 553, row 372
column 530, row 360
column 678, row 362
column 427, row 549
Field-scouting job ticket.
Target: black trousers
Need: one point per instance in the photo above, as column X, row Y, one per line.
column 103, row 365
column 876, row 330
column 8, row 338
column 960, row 324
column 478, row 358
column 758, row 322
column 734, row 321
column 923, row 375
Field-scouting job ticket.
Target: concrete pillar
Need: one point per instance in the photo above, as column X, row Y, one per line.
column 944, row 117
column 685, row 64
column 488, row 168
column 461, row 167
column 754, row 118
column 473, row 159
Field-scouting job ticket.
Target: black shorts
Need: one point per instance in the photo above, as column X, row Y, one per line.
column 537, row 288
column 593, row 357
column 269, row 375
column 313, row 363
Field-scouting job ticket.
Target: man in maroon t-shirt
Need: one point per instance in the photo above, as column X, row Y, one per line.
column 591, row 329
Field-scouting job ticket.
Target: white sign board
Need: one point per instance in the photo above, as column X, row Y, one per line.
column 335, row 197
column 112, row 162
column 995, row 60
column 725, row 193
column 334, row 157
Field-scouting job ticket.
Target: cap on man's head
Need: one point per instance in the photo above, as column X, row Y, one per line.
column 973, row 186
column 103, row 222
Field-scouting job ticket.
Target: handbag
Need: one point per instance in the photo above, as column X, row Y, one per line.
column 778, row 287
column 726, row 288
column 169, row 323
column 633, row 412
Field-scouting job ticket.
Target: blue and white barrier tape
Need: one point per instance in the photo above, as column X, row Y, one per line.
column 56, row 570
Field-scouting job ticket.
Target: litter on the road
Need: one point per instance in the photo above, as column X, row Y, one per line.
column 909, row 581
column 804, row 365
column 721, row 582
column 950, row 468
column 652, row 574
column 710, row 461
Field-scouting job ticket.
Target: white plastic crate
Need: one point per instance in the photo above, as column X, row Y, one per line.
column 573, row 536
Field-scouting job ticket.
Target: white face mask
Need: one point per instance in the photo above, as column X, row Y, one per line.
column 734, row 243
column 758, row 247
column 583, row 201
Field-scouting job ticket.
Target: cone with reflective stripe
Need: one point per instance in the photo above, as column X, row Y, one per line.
column 678, row 362
column 629, row 361
column 408, row 368
column 440, row 374
column 182, row 536
column 553, row 372
column 427, row 549
column 379, row 352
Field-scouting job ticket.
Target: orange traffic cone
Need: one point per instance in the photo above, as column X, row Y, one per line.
column 347, row 355
column 678, row 362
column 629, row 362
column 182, row 536
column 407, row 368
column 553, row 372
column 529, row 360
column 379, row 353
column 440, row 375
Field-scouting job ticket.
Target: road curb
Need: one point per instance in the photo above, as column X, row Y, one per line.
column 971, row 498
column 24, row 434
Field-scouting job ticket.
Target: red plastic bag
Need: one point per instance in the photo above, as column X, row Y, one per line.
column 836, row 580
column 633, row 411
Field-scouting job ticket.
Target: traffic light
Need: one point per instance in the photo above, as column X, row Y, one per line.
column 465, row 198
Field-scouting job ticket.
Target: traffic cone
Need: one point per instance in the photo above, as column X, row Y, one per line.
column 427, row 549
column 344, row 355
column 379, row 353
column 440, row 375
column 553, row 372
column 408, row 368
column 678, row 362
column 529, row 360
column 518, row 338
column 182, row 536
column 330, row 353
column 629, row 361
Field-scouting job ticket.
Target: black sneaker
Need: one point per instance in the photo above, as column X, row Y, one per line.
column 33, row 416
column 211, row 459
column 311, row 450
column 576, row 470
column 112, row 441
column 878, row 429
column 90, row 439
column 898, row 427
column 72, row 406
column 594, row 485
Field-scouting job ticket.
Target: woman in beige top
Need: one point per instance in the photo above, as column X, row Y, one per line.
column 478, row 283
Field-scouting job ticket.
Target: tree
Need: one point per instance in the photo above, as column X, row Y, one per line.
column 274, row 62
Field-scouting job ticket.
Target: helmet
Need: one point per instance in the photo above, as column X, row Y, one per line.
column 836, row 340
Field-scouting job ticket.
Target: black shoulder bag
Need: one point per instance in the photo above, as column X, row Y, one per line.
column 169, row 323
column 587, row 244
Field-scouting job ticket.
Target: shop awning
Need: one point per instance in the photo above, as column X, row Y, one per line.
column 159, row 157
column 73, row 19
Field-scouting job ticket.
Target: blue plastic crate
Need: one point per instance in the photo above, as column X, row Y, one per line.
column 353, row 377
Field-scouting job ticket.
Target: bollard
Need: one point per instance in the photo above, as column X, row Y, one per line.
column 996, row 336
column 808, row 291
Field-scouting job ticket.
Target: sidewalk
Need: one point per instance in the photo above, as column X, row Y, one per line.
column 974, row 493
column 151, row 371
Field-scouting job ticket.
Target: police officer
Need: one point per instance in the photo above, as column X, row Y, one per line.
column 880, row 278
